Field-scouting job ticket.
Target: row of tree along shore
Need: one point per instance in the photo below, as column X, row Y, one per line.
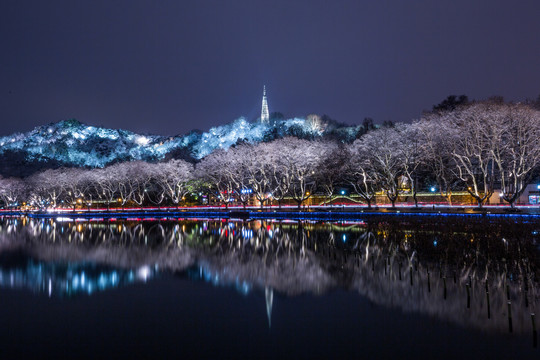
column 473, row 150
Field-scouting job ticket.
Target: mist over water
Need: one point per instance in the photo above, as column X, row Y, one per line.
column 451, row 274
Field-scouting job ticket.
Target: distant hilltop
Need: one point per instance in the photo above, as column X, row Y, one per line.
column 73, row 144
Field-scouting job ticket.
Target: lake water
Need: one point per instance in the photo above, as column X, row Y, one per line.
column 382, row 287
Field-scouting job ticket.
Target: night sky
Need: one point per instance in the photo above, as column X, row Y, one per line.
column 166, row 67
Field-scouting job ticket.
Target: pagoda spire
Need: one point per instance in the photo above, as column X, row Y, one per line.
column 265, row 115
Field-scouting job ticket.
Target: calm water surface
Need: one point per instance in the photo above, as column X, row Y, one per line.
column 379, row 288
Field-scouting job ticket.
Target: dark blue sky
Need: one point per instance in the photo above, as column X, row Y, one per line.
column 167, row 67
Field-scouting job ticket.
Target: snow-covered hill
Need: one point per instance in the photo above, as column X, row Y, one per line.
column 71, row 143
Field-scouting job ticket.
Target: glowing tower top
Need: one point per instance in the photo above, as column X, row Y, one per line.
column 265, row 115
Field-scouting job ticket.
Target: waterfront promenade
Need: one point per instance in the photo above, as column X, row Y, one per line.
column 284, row 212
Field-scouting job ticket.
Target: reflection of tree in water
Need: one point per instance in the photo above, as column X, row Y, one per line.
column 420, row 264
column 446, row 260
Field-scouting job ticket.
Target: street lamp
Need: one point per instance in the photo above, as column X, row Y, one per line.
column 433, row 189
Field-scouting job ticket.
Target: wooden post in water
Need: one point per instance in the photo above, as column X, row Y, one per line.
column 535, row 335
column 428, row 282
column 455, row 277
column 526, row 286
column 400, row 271
column 487, row 301
column 468, row 296
column 444, row 282
column 510, row 328
column 410, row 274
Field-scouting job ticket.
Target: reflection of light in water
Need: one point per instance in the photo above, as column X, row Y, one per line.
column 70, row 279
column 143, row 273
column 294, row 259
column 216, row 279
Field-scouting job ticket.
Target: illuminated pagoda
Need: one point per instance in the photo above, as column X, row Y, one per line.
column 265, row 115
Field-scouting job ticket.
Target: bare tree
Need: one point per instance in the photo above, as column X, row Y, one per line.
column 107, row 185
column 173, row 178
column 515, row 135
column 473, row 146
column 330, row 172
column 436, row 144
column 46, row 188
column 300, row 160
column 383, row 149
column 360, row 174
column 214, row 171
column 249, row 170
column 76, row 185
column 12, row 191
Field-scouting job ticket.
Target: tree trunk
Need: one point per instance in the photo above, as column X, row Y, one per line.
column 480, row 203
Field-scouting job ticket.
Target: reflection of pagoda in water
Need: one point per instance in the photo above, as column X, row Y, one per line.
column 430, row 269
column 243, row 287
column 269, row 298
